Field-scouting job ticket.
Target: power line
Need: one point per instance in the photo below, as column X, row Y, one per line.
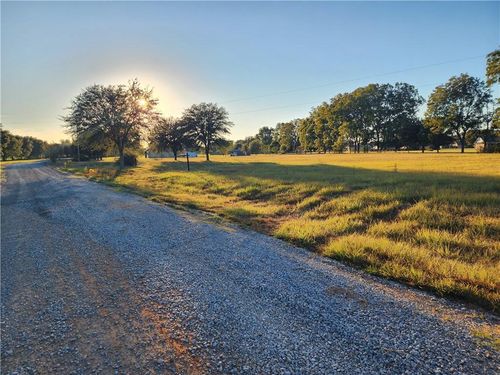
column 271, row 108
column 302, row 104
column 354, row 79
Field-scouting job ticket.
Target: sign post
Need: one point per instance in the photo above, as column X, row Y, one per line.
column 187, row 158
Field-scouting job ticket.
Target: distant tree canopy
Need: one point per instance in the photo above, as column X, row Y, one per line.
column 459, row 106
column 206, row 124
column 117, row 113
column 170, row 134
column 379, row 116
column 15, row 147
column 385, row 117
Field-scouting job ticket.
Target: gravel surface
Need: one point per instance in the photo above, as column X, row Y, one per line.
column 97, row 281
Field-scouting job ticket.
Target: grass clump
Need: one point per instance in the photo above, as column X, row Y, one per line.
column 311, row 232
column 414, row 265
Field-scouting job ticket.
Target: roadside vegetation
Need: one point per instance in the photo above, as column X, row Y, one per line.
column 429, row 220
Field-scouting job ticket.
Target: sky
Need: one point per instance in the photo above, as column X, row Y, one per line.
column 264, row 62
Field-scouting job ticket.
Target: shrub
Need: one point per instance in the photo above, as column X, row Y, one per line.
column 129, row 159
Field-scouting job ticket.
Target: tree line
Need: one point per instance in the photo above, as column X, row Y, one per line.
column 14, row 147
column 386, row 117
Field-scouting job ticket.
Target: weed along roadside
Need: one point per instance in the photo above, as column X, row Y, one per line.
column 431, row 221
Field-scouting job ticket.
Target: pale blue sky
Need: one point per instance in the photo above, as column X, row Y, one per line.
column 223, row 52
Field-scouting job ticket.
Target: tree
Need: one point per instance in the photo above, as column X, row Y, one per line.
column 4, row 140
column 307, row 135
column 223, row 147
column 357, row 115
column 207, row 123
column 287, row 136
column 39, row 148
column 438, row 139
column 492, row 77
column 458, row 106
column 120, row 113
column 12, row 146
column 266, row 137
column 93, row 146
column 493, row 68
column 169, row 133
column 26, row 147
column 337, row 125
column 255, row 146
column 400, row 107
column 322, row 118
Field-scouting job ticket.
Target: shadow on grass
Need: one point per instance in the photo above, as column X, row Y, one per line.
column 416, row 185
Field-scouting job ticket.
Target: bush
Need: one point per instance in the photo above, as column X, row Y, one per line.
column 129, row 159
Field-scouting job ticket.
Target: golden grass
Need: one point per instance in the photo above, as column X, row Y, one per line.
column 430, row 220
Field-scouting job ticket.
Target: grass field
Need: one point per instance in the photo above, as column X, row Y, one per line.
column 429, row 220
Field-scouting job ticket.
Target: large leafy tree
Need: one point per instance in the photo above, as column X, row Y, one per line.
column 357, row 113
column 338, row 122
column 120, row 113
column 208, row 123
column 11, row 145
column 169, row 133
column 458, row 106
column 266, row 137
column 287, row 136
column 39, row 148
column 322, row 118
column 307, row 134
column 5, row 136
column 399, row 114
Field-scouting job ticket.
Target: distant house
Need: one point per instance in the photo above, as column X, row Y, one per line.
column 489, row 144
column 237, row 152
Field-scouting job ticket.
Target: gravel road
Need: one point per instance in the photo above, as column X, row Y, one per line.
column 98, row 281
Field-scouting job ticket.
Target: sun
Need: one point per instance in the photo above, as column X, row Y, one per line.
column 142, row 102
